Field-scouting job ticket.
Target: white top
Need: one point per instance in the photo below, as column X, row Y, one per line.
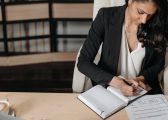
column 130, row 62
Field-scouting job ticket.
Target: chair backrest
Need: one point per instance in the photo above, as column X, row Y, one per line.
column 81, row 82
column 165, row 76
column 105, row 3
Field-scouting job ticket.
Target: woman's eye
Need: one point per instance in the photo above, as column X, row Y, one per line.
column 140, row 12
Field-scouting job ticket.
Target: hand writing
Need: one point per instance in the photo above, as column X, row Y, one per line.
column 125, row 87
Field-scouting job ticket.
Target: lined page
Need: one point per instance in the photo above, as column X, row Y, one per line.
column 100, row 100
column 148, row 107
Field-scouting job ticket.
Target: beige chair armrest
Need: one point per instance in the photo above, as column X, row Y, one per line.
column 78, row 78
column 165, row 78
column 165, row 75
column 80, row 82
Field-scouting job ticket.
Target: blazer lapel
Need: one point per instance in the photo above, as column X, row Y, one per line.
column 148, row 56
column 115, row 35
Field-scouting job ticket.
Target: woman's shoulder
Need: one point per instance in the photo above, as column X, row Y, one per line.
column 114, row 9
column 112, row 13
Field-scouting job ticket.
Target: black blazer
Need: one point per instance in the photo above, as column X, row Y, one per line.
column 107, row 29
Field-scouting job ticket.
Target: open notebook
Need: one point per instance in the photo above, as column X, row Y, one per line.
column 107, row 101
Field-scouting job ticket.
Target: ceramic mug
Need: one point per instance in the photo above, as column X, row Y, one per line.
column 4, row 105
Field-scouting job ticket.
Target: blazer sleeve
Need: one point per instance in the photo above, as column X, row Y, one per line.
column 89, row 50
column 151, row 72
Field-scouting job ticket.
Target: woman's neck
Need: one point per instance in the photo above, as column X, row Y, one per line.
column 130, row 27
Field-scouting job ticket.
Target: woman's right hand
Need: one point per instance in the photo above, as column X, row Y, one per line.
column 126, row 89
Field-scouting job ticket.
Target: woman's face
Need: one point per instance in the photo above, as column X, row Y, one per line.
column 140, row 12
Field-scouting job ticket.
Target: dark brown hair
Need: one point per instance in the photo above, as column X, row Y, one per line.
column 155, row 32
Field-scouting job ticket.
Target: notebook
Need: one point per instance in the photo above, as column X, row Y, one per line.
column 105, row 102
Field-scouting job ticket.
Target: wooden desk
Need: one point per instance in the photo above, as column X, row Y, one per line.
column 53, row 106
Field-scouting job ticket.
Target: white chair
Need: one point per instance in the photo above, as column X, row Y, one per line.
column 105, row 3
column 82, row 83
column 165, row 76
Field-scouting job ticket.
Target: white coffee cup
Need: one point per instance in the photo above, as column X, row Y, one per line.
column 4, row 105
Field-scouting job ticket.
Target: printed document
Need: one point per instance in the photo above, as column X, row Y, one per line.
column 148, row 107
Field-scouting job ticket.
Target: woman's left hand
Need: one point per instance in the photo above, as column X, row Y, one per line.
column 141, row 82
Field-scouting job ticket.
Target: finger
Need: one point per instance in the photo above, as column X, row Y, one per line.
column 141, row 84
column 134, row 83
column 135, row 93
column 128, row 93
column 128, row 88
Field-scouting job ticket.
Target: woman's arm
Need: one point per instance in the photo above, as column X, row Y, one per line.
column 151, row 72
column 90, row 49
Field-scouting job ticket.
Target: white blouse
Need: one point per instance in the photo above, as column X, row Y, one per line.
column 130, row 62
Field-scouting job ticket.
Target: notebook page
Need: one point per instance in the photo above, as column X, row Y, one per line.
column 118, row 93
column 148, row 107
column 101, row 101
column 140, row 91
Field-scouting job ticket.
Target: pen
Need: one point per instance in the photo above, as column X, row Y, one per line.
column 137, row 90
column 126, row 81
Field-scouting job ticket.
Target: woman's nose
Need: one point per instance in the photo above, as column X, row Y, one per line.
column 143, row 19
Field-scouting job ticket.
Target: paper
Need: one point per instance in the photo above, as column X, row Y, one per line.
column 102, row 101
column 148, row 107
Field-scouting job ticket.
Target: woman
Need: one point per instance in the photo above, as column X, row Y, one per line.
column 134, row 44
